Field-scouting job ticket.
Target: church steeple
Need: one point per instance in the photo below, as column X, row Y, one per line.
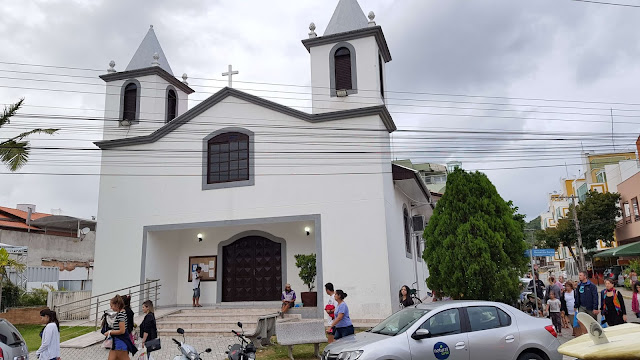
column 348, row 16
column 145, row 54
column 348, row 61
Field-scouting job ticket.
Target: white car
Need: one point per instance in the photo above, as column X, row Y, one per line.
column 452, row 330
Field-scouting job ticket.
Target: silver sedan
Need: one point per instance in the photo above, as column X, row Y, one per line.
column 452, row 330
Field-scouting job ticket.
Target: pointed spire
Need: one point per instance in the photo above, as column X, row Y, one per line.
column 149, row 47
column 348, row 16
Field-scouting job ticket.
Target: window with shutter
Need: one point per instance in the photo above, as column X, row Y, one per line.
column 129, row 105
column 380, row 63
column 343, row 69
column 407, row 231
column 172, row 105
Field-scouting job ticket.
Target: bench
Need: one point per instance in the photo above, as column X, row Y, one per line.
column 265, row 329
column 300, row 332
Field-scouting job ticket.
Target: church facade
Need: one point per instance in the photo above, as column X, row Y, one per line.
column 240, row 185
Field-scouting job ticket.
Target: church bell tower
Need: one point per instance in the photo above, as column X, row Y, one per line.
column 348, row 61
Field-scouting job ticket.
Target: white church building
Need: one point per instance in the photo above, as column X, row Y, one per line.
column 242, row 184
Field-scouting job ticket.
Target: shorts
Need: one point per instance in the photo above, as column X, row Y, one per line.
column 196, row 293
column 341, row 332
column 119, row 344
column 583, row 309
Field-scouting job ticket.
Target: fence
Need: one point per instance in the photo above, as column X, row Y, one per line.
column 80, row 308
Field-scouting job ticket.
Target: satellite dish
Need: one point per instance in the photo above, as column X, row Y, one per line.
column 85, row 231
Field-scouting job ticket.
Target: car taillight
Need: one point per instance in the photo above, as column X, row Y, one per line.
column 551, row 330
column 611, row 275
column 1, row 354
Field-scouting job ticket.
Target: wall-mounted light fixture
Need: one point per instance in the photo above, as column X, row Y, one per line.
column 199, row 237
column 307, row 230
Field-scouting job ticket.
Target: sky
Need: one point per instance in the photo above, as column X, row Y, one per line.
column 458, row 67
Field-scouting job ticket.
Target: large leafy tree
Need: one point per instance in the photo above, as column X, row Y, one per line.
column 474, row 243
column 14, row 151
column 597, row 215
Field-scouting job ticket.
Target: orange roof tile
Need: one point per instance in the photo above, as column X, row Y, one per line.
column 17, row 225
column 23, row 214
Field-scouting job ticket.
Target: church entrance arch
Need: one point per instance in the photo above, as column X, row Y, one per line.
column 252, row 270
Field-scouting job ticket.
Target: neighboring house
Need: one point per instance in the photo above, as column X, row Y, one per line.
column 63, row 242
column 434, row 175
column 272, row 182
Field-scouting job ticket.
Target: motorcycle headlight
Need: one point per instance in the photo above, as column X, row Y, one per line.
column 350, row 355
column 193, row 356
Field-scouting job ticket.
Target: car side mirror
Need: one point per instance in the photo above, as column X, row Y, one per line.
column 181, row 331
column 421, row 334
column 239, row 324
column 208, row 350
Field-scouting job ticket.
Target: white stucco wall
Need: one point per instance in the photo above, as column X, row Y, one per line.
column 51, row 247
column 346, row 190
column 152, row 112
column 368, row 77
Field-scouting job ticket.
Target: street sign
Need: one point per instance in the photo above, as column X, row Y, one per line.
column 541, row 252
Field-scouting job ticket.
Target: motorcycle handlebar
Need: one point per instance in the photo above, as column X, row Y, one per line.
column 176, row 341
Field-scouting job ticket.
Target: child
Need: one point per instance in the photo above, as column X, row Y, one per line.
column 553, row 309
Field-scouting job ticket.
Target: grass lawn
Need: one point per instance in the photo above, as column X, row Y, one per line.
column 31, row 334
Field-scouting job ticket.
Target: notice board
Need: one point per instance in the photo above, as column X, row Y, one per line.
column 209, row 265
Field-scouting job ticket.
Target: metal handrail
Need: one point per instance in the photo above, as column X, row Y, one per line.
column 111, row 292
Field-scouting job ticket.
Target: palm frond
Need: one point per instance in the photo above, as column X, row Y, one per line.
column 9, row 111
column 14, row 154
column 35, row 131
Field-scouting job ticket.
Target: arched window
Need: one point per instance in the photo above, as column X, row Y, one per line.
column 130, row 98
column 228, row 158
column 342, row 58
column 172, row 105
column 407, row 231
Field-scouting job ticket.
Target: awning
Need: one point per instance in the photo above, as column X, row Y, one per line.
column 15, row 249
column 632, row 249
column 62, row 222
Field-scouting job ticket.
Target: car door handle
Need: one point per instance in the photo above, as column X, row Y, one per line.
column 510, row 338
column 461, row 345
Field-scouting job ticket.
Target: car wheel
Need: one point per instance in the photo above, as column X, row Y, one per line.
column 530, row 356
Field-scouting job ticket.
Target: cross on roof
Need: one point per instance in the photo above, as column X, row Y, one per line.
column 230, row 74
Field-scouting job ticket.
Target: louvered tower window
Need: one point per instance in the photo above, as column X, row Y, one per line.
column 172, row 105
column 343, row 69
column 129, row 106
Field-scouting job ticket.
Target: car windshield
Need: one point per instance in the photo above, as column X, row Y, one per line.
column 9, row 335
column 399, row 322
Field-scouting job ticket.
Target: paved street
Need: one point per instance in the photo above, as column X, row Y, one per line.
column 169, row 350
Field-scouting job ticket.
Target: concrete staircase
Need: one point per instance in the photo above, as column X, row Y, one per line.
column 214, row 321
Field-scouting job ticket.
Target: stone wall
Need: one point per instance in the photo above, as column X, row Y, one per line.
column 29, row 315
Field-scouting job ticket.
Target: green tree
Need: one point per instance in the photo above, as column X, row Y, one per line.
column 534, row 224
column 597, row 215
column 564, row 234
column 14, row 152
column 5, row 262
column 474, row 243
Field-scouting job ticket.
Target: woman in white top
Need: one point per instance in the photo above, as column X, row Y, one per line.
column 570, row 301
column 50, row 347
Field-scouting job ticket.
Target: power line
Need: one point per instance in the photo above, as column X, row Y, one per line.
column 607, row 3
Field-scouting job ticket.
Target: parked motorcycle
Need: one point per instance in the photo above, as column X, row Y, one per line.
column 188, row 351
column 245, row 350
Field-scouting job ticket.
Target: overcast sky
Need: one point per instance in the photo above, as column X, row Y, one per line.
column 499, row 49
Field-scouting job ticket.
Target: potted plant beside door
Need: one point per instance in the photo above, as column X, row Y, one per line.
column 307, row 266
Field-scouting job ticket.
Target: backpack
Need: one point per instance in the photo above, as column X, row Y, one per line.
column 108, row 318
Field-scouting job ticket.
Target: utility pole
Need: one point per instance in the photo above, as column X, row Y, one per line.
column 578, row 234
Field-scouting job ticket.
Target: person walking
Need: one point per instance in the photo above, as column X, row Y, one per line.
column 330, row 309
column 342, row 323
column 50, row 346
column 405, row 299
column 552, row 287
column 613, row 309
column 121, row 341
column 195, row 280
column 130, row 315
column 553, row 309
column 561, row 282
column 569, row 303
column 288, row 299
column 538, row 285
column 635, row 299
column 586, row 299
column 148, row 328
